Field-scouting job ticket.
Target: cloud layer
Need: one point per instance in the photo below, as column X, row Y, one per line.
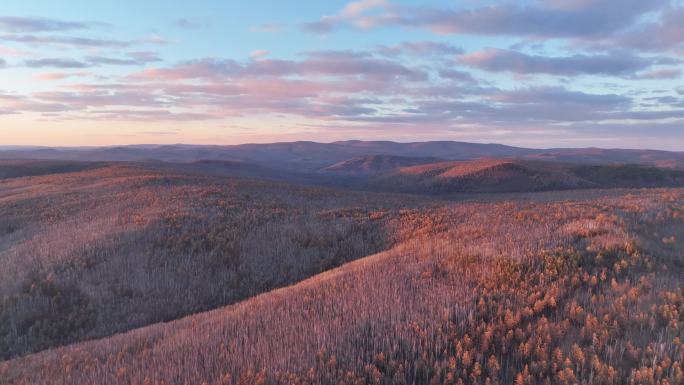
column 545, row 66
column 38, row 24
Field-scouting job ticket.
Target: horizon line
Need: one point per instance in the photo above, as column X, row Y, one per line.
column 4, row 147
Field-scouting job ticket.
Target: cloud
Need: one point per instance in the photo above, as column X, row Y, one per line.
column 669, row 73
column 3, row 63
column 8, row 51
column 208, row 68
column 229, row 88
column 208, row 101
column 319, row 63
column 548, row 105
column 337, row 55
column 499, row 60
column 259, row 54
column 38, row 24
column 541, row 19
column 67, row 40
column 460, row 76
column 340, row 100
column 664, row 33
column 146, row 115
column 97, row 60
column 186, row 23
column 56, row 63
column 584, row 19
column 159, row 132
column 420, row 48
column 359, row 14
column 60, row 75
column 18, row 103
column 354, row 65
column 341, row 86
column 358, row 8
column 133, row 59
column 561, row 97
column 414, row 85
column 144, row 56
column 101, row 97
column 233, row 91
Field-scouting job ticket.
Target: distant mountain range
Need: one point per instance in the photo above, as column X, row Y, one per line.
column 312, row 156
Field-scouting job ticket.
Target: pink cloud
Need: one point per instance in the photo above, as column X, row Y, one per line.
column 259, row 54
column 9, row 51
column 317, row 64
column 48, row 76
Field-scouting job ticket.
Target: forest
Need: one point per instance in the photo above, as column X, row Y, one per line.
column 125, row 274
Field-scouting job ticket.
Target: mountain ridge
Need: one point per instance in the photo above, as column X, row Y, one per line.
column 311, row 156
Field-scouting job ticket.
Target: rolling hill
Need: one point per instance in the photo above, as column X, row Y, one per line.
column 373, row 164
column 22, row 168
column 100, row 251
column 519, row 175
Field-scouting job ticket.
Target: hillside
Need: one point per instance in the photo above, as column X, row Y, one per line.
column 22, row 168
column 373, row 164
column 91, row 253
column 606, row 156
column 517, row 175
column 564, row 291
column 630, row 175
column 240, row 169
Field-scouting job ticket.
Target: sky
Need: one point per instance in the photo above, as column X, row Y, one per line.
column 554, row 73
